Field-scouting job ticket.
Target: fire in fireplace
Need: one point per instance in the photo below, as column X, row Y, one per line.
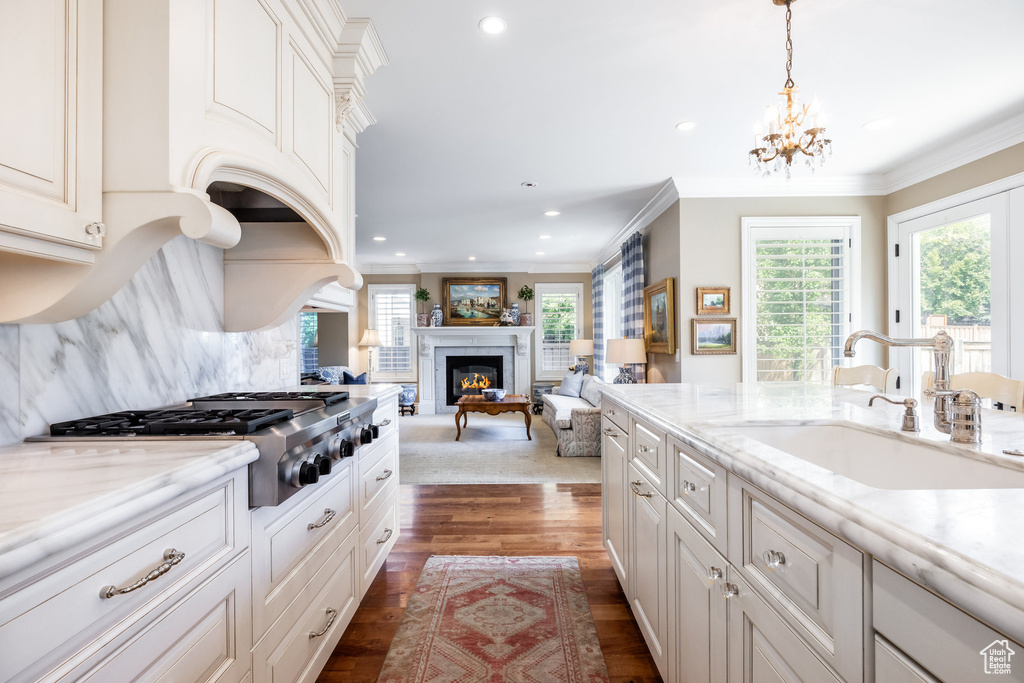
column 467, row 375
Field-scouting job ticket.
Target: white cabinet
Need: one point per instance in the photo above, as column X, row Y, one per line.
column 648, row 562
column 51, row 77
column 614, row 442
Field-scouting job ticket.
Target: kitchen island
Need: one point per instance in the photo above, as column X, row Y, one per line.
column 688, row 462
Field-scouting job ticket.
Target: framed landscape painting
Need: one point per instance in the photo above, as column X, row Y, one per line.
column 713, row 336
column 660, row 317
column 712, row 301
column 473, row 300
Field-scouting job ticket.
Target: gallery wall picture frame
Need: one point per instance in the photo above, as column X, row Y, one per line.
column 660, row 317
column 713, row 301
column 713, row 336
column 473, row 300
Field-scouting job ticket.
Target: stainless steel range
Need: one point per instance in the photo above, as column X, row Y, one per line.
column 301, row 436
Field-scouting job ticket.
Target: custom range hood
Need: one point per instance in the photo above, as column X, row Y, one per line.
column 232, row 122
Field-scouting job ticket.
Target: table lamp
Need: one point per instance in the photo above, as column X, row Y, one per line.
column 626, row 351
column 580, row 348
column 370, row 340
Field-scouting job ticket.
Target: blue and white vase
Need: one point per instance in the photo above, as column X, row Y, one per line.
column 436, row 316
column 515, row 314
column 408, row 396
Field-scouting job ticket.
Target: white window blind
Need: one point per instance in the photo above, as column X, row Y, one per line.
column 391, row 314
column 559, row 321
column 799, row 289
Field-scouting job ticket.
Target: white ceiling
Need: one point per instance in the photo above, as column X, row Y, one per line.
column 582, row 98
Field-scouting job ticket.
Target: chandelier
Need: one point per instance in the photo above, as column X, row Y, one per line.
column 789, row 127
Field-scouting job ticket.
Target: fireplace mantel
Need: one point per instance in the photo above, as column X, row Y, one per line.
column 519, row 338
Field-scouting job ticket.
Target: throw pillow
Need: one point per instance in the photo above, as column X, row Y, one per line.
column 349, row 378
column 331, row 373
column 571, row 384
column 591, row 390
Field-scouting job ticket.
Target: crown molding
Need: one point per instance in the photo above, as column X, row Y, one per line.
column 504, row 267
column 665, row 197
column 388, row 269
column 753, row 186
column 965, row 150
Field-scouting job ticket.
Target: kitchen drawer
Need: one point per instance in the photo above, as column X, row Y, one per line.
column 893, row 666
column 287, row 653
column 287, row 552
column 650, row 453
column 209, row 526
column 944, row 640
column 648, row 562
column 386, row 419
column 615, row 413
column 377, row 476
column 205, row 637
column 699, row 490
column 376, row 540
column 813, row 578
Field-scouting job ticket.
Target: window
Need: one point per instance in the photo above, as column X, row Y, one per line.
column 308, row 338
column 612, row 317
column 391, row 314
column 559, row 307
column 800, row 296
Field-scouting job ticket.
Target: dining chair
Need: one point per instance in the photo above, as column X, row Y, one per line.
column 1003, row 390
column 880, row 378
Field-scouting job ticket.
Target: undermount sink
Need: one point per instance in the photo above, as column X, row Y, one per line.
column 878, row 460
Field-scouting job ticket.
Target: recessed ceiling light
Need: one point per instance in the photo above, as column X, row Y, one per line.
column 493, row 25
column 540, row 253
column 472, row 258
column 528, row 184
column 878, row 124
column 380, row 239
column 686, row 125
column 545, row 237
column 399, row 253
column 552, row 213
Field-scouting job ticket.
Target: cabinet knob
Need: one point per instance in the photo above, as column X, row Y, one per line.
column 730, row 590
column 688, row 487
column 773, row 559
column 643, row 449
column 714, row 573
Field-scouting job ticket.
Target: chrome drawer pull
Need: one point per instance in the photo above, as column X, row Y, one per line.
column 634, row 486
column 688, row 488
column 387, row 475
column 332, row 614
column 773, row 559
column 385, row 423
column 323, row 522
column 611, row 432
column 730, row 590
column 171, row 558
column 609, row 412
column 643, row 449
column 714, row 573
column 386, row 537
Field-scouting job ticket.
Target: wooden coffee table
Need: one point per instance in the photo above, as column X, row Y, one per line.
column 512, row 403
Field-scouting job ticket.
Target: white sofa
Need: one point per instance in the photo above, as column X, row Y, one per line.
column 576, row 422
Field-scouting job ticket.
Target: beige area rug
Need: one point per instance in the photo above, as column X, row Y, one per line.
column 497, row 619
column 493, row 450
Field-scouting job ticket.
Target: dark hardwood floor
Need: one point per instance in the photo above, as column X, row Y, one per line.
column 506, row 519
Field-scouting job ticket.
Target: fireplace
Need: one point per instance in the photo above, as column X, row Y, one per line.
column 467, row 375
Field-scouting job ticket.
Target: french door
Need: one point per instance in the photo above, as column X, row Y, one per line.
column 950, row 271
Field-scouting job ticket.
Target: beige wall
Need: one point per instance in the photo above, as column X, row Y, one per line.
column 332, row 338
column 709, row 255
column 661, row 251
column 432, row 282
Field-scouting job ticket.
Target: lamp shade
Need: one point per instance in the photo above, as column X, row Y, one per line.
column 581, row 347
column 370, row 338
column 626, row 351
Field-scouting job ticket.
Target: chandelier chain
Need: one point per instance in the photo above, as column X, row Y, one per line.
column 789, row 45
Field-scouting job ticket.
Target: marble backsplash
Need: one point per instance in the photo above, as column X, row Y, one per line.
column 157, row 342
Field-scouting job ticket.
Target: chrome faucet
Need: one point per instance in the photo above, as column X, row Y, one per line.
column 957, row 413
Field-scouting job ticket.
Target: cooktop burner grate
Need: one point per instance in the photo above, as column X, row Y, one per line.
column 172, row 422
column 327, row 398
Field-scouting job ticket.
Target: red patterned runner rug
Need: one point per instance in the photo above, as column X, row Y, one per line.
column 496, row 619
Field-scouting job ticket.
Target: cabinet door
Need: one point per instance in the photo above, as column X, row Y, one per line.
column 763, row 649
column 648, row 540
column 614, row 490
column 51, row 129
column 696, row 605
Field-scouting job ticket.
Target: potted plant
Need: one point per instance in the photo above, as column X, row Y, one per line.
column 526, row 294
column 422, row 296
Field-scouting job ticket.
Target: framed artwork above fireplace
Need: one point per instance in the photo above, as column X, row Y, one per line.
column 473, row 300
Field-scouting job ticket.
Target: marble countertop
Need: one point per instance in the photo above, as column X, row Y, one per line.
column 962, row 544
column 56, row 494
